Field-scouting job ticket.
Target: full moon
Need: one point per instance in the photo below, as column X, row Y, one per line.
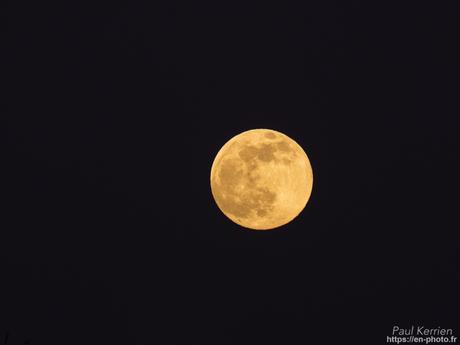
column 261, row 179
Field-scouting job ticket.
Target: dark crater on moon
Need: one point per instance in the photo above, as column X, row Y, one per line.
column 265, row 153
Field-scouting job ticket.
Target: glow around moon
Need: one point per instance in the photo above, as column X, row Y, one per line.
column 261, row 179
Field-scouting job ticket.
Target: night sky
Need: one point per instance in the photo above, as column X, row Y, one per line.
column 116, row 110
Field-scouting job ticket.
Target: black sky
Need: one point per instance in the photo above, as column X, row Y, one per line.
column 115, row 112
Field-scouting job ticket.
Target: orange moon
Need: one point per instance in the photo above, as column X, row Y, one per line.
column 261, row 179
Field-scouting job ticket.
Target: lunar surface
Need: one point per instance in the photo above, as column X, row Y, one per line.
column 261, row 179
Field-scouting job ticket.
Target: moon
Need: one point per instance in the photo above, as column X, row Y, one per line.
column 261, row 179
